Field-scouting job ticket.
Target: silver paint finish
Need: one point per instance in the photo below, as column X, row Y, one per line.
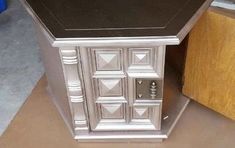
column 141, row 115
column 96, row 86
column 110, row 70
column 69, row 58
column 55, row 78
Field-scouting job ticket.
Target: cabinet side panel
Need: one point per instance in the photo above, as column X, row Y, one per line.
column 55, row 78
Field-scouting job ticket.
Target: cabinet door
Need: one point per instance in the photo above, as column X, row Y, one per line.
column 114, row 101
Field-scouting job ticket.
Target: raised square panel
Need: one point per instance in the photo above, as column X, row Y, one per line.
column 140, row 112
column 112, row 111
column 107, row 60
column 147, row 115
column 140, row 60
column 110, row 87
column 140, row 57
column 145, row 62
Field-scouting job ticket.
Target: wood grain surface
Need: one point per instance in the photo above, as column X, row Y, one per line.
column 210, row 62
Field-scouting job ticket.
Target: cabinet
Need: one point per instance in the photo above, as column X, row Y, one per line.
column 116, row 93
column 114, row 75
column 105, row 63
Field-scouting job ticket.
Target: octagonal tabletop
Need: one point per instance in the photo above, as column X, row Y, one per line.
column 114, row 18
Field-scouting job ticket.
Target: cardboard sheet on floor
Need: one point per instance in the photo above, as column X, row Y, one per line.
column 39, row 125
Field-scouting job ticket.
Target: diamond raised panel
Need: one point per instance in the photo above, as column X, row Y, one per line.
column 112, row 104
column 107, row 60
column 140, row 113
column 147, row 115
column 140, row 56
column 112, row 111
column 145, row 62
column 141, row 61
column 110, row 87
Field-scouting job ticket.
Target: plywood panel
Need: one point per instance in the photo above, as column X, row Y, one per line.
column 210, row 63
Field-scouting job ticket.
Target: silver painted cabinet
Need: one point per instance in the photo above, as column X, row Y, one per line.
column 115, row 89
column 106, row 75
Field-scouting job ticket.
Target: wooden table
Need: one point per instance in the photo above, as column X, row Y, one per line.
column 210, row 63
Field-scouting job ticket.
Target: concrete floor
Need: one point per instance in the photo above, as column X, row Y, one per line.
column 39, row 125
column 20, row 64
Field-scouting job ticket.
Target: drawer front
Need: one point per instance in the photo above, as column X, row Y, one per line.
column 110, row 87
column 116, row 103
column 114, row 111
column 145, row 114
column 107, row 59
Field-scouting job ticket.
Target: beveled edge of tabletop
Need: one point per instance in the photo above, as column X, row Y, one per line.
column 118, row 41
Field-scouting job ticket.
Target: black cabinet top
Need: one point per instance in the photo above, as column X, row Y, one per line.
column 114, row 18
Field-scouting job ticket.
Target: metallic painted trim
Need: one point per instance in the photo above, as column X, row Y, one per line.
column 78, row 74
column 70, row 63
column 149, row 136
column 89, row 64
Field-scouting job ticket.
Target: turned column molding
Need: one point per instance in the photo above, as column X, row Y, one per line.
column 71, row 68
